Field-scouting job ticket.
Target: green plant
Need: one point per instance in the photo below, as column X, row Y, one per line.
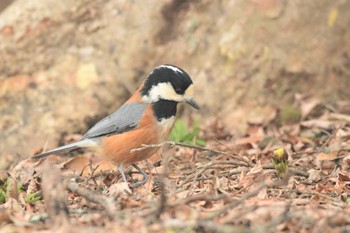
column 5, row 189
column 2, row 196
column 280, row 162
column 32, row 198
column 181, row 133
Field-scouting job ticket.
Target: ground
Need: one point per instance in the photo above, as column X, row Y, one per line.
column 68, row 64
column 269, row 150
column 284, row 175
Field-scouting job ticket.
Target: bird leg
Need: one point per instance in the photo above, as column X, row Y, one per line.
column 145, row 177
column 121, row 171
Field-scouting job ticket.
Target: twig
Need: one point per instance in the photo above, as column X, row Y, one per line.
column 53, row 189
column 93, row 170
column 236, row 203
column 320, row 149
column 341, row 149
column 224, row 174
column 189, row 178
column 199, row 197
column 206, row 167
column 107, row 203
column 334, row 201
column 195, row 176
column 180, row 225
column 339, row 117
column 292, row 170
column 223, row 144
column 82, row 170
column 298, row 172
column 283, row 217
column 328, row 140
column 235, row 172
column 200, row 148
column 163, row 198
column 162, row 203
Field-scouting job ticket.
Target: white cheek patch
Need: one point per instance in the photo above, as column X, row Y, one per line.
column 162, row 91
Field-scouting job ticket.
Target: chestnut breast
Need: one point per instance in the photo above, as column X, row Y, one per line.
column 116, row 148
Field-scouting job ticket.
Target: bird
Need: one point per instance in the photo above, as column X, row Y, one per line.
column 146, row 118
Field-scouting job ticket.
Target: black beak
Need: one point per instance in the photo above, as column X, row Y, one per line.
column 193, row 103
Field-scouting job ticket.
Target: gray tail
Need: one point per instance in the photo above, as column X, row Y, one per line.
column 66, row 148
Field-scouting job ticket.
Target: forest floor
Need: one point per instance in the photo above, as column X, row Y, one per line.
column 229, row 185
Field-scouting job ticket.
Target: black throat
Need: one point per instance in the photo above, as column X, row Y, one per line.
column 164, row 109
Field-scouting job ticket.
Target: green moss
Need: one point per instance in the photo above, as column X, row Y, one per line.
column 289, row 115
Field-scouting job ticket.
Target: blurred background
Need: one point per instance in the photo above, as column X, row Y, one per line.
column 65, row 64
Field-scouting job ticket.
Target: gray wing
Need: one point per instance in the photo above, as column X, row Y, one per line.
column 122, row 120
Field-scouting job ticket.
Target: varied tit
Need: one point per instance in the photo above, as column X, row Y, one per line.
column 147, row 117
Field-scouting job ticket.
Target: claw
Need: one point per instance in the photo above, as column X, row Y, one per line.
column 137, row 184
column 142, row 182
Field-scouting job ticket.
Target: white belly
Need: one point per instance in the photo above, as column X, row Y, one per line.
column 164, row 127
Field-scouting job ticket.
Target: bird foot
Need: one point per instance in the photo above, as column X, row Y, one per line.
column 141, row 182
column 137, row 184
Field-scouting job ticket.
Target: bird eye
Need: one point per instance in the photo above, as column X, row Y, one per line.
column 178, row 90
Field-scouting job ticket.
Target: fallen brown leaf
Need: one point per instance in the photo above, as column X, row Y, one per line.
column 327, row 157
column 318, row 123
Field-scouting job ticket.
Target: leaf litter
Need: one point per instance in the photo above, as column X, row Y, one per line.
column 281, row 176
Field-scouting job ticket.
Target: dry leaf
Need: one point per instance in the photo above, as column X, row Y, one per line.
column 344, row 176
column 339, row 117
column 318, row 123
column 118, row 189
column 346, row 163
column 262, row 194
column 13, row 205
column 5, row 216
column 327, row 157
column 314, row 176
column 249, row 140
column 307, row 106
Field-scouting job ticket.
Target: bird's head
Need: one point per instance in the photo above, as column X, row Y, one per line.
column 168, row 82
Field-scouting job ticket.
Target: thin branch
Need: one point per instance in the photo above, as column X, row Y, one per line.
column 93, row 170
column 199, row 197
column 180, row 225
column 197, row 174
column 236, row 203
column 179, row 144
column 334, row 201
column 107, row 203
column 163, row 200
column 328, row 140
column 292, row 170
